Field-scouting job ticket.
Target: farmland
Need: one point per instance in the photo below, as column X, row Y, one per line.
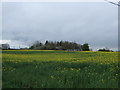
column 59, row 69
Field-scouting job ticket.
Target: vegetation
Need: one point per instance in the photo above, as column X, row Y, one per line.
column 105, row 50
column 85, row 47
column 59, row 69
column 60, row 45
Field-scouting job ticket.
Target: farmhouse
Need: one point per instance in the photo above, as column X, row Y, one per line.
column 4, row 46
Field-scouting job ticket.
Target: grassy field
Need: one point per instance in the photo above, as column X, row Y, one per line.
column 59, row 69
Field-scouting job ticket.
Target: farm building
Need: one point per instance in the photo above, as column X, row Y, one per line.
column 4, row 46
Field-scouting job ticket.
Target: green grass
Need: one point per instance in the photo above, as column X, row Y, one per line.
column 59, row 69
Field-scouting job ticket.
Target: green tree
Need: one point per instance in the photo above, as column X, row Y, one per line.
column 85, row 47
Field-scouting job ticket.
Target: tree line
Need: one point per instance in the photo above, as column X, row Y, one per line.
column 59, row 45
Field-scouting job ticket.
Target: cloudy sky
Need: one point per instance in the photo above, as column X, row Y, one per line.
column 93, row 22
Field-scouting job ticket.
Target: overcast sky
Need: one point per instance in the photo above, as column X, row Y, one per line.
column 93, row 22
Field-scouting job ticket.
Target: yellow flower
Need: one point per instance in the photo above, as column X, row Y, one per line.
column 71, row 69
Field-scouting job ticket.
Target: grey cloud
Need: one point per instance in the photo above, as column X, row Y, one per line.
column 95, row 23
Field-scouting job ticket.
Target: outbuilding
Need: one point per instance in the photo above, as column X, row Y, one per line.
column 4, row 46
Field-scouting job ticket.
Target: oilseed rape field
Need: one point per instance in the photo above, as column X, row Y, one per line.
column 59, row 69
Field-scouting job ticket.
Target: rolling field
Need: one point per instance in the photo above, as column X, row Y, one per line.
column 59, row 69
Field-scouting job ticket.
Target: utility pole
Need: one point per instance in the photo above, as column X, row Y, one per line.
column 19, row 46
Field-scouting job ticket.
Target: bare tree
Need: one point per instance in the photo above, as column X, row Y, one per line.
column 113, row 2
